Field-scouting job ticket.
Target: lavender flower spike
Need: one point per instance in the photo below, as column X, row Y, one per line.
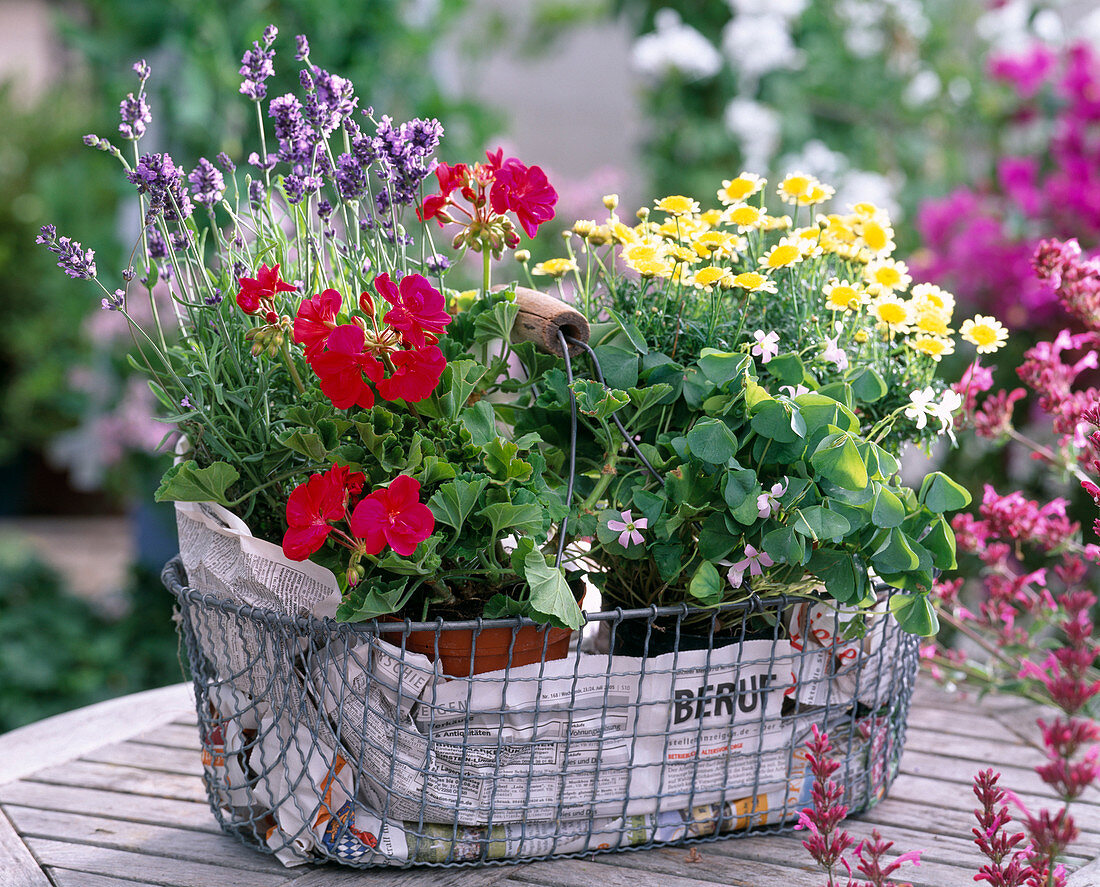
column 256, row 67
column 303, row 48
column 75, row 261
column 157, row 176
column 207, row 184
column 135, row 114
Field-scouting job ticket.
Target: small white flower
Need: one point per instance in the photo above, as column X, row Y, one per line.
column 921, row 403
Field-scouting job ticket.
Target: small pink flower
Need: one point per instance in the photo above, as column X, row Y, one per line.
column 767, row 346
column 628, row 529
column 754, row 561
column 793, row 391
column 768, row 503
column 834, row 353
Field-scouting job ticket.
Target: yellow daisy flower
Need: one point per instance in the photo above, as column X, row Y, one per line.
column 643, row 252
column 677, row 205
column 745, row 217
column 893, row 313
column 680, row 253
column 935, row 347
column 621, row 233
column 930, row 319
column 804, row 190
column 680, row 227
column 887, row 275
column 775, row 223
column 711, row 218
column 653, row 268
column 808, row 240
column 715, row 243
column 741, row 188
column 876, row 237
column 555, row 267
column 987, row 333
column 784, row 254
column 599, row 236
column 840, row 295
column 711, row 276
column 583, row 227
column 931, row 294
column 755, row 282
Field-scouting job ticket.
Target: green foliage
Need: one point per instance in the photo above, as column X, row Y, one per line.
column 51, row 663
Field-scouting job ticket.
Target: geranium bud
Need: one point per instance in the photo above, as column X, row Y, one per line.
column 366, row 304
column 353, row 576
column 257, row 349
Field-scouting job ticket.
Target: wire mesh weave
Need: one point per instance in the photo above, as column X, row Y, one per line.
column 328, row 741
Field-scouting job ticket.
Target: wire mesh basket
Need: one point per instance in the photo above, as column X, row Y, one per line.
column 324, row 741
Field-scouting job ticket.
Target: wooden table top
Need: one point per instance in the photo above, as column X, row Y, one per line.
column 112, row 796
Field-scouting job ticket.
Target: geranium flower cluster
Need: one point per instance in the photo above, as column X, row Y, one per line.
column 325, row 504
column 490, row 190
column 399, row 357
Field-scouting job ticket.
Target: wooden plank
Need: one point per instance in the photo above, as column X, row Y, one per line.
column 176, row 736
column 154, row 869
column 148, row 757
column 622, row 870
column 422, row 876
column 1088, row 876
column 66, row 736
column 151, row 840
column 69, row 878
column 116, row 805
column 115, row 777
column 972, row 748
column 17, row 865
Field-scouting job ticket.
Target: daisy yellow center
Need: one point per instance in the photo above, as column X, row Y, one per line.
column 842, row 296
column 745, row 215
column 931, row 346
column 796, row 185
column 887, row 275
column 709, row 275
column 677, row 204
column 750, row 280
column 892, row 313
column 782, row 256
column 555, row 267
column 641, row 254
column 874, row 235
column 739, row 188
column 934, row 322
column 651, row 268
column 982, row 334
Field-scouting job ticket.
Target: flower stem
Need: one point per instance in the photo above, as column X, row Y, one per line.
column 293, row 370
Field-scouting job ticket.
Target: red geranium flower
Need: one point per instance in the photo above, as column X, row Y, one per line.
column 316, row 320
column 431, row 208
column 394, row 516
column 262, row 287
column 417, row 308
column 313, row 504
column 450, row 177
column 526, row 192
column 343, row 364
column 415, row 375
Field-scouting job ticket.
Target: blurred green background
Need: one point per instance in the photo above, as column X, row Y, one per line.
column 921, row 106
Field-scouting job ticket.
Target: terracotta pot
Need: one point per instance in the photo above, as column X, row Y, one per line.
column 456, row 648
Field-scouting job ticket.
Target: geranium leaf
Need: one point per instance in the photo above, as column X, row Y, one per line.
column 186, row 482
column 551, row 597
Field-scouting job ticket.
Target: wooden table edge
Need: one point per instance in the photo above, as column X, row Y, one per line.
column 66, row 736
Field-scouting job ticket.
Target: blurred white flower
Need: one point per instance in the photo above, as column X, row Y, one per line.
column 757, row 44
column 922, row 88
column 675, row 48
column 756, row 127
column 788, row 9
column 863, row 186
column 1005, row 28
column 1089, row 29
column 959, row 89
